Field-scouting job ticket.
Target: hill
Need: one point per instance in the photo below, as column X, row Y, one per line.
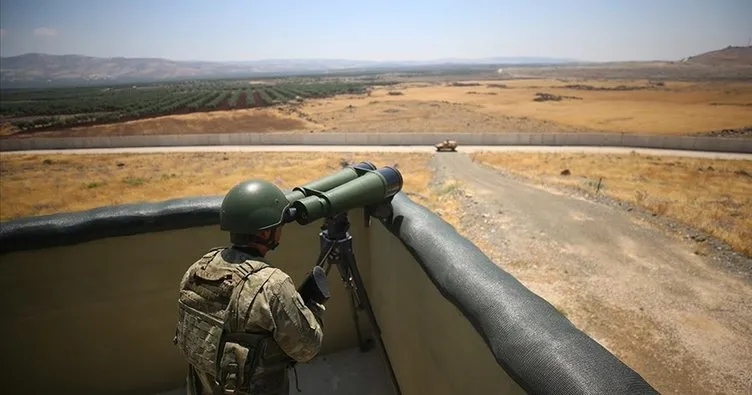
column 43, row 69
column 729, row 56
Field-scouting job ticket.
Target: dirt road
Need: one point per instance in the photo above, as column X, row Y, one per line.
column 680, row 321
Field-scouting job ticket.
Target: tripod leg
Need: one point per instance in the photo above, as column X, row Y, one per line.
column 343, row 256
column 364, row 346
column 326, row 247
column 360, row 299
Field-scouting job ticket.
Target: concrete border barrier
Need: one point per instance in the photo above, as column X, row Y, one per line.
column 698, row 143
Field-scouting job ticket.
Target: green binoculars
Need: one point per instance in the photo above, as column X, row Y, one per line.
column 357, row 185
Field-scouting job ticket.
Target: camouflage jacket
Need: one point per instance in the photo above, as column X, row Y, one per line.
column 231, row 291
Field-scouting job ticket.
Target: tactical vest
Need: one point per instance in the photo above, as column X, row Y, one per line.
column 210, row 330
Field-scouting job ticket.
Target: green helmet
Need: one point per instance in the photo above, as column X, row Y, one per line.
column 251, row 206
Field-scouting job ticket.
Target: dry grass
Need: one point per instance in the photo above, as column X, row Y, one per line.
column 43, row 184
column 711, row 194
column 445, row 201
column 676, row 108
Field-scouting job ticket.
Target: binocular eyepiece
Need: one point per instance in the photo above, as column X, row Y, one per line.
column 358, row 185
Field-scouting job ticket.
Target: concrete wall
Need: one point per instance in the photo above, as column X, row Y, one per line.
column 99, row 317
column 717, row 144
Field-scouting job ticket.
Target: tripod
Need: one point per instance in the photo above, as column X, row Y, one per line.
column 335, row 243
column 336, row 249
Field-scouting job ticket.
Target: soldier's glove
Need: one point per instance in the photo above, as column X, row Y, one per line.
column 315, row 287
column 317, row 309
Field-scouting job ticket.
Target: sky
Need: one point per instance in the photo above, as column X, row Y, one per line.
column 234, row 30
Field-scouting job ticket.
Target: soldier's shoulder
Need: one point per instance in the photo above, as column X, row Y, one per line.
column 203, row 259
column 277, row 281
column 208, row 255
column 215, row 250
column 277, row 276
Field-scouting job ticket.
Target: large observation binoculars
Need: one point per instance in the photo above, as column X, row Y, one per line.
column 358, row 185
column 326, row 183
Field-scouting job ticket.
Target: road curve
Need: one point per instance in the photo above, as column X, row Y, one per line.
column 679, row 320
column 382, row 148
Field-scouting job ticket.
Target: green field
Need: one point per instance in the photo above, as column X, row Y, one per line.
column 56, row 108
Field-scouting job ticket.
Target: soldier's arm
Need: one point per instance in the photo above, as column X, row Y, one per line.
column 296, row 329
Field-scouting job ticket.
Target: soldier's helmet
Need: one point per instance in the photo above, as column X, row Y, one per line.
column 251, row 206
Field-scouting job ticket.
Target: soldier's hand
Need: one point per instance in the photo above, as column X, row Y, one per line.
column 316, row 308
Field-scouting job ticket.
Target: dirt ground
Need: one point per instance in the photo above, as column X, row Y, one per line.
column 679, row 319
column 588, row 105
column 245, row 120
column 713, row 195
column 675, row 108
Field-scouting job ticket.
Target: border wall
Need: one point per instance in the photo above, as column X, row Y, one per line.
column 696, row 143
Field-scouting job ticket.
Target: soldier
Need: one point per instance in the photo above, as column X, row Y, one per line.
column 241, row 322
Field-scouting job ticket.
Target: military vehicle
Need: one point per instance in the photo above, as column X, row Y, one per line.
column 446, row 145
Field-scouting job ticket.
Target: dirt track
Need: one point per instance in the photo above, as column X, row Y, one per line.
column 677, row 319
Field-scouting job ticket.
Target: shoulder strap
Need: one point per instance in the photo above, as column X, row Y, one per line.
column 233, row 311
column 249, row 267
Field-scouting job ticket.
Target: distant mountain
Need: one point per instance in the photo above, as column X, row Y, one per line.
column 729, row 56
column 44, row 69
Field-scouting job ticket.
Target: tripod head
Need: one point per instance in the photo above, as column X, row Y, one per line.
column 336, row 226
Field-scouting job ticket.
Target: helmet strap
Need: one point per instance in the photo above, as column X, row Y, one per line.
column 269, row 241
column 245, row 240
column 271, row 244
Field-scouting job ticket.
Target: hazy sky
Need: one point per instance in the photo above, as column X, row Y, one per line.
column 593, row 30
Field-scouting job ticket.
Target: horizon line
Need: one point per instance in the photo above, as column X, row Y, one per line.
column 446, row 58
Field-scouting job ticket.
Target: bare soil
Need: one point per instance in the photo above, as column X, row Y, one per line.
column 417, row 115
column 713, row 195
column 679, row 319
column 644, row 107
column 483, row 106
column 232, row 121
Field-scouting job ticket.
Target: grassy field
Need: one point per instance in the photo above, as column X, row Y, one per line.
column 44, row 184
column 488, row 106
column 712, row 195
column 585, row 105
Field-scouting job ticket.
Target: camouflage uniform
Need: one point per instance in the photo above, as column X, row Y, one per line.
column 240, row 318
